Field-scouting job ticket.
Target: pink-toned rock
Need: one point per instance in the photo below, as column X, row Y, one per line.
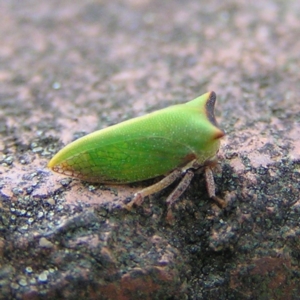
column 69, row 68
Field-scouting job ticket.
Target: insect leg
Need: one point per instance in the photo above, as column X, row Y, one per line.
column 211, row 187
column 166, row 181
column 182, row 186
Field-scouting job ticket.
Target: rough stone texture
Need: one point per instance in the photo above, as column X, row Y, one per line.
column 70, row 67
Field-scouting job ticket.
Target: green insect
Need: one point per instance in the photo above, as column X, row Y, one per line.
column 173, row 142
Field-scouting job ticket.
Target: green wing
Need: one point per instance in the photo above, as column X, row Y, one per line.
column 127, row 160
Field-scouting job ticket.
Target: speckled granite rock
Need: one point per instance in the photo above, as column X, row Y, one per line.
column 70, row 67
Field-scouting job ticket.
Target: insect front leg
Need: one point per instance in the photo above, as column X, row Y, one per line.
column 166, row 181
column 211, row 187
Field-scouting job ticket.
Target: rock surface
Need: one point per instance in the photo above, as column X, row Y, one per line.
column 70, row 67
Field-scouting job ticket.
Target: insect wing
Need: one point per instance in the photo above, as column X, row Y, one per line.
column 127, row 160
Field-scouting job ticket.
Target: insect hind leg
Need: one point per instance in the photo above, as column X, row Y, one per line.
column 165, row 182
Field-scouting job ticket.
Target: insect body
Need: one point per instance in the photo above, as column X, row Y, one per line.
column 172, row 142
